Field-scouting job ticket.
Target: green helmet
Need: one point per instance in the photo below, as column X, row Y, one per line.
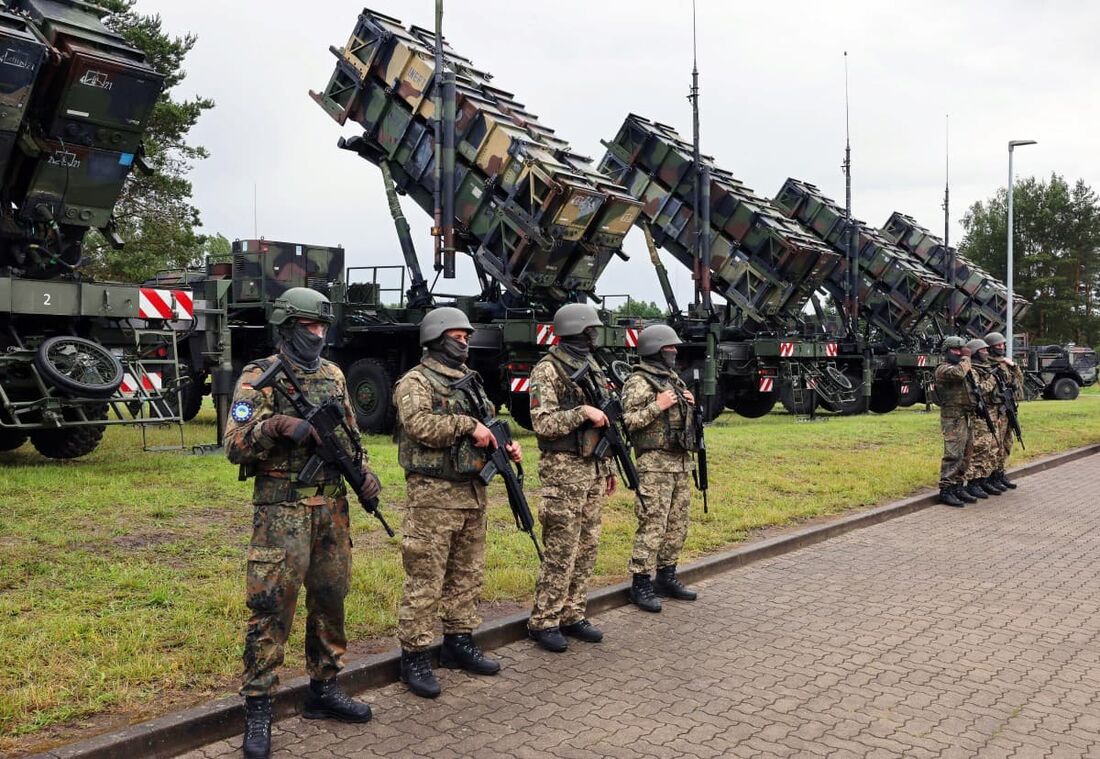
column 655, row 337
column 574, row 318
column 994, row 337
column 439, row 320
column 301, row 303
column 954, row 341
column 976, row 345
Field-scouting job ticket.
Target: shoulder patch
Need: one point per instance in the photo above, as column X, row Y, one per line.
column 242, row 411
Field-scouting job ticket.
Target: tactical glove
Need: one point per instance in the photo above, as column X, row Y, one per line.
column 371, row 486
column 288, row 428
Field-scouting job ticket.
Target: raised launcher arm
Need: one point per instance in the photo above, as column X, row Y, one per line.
column 979, row 301
column 75, row 99
column 538, row 221
column 898, row 296
column 762, row 263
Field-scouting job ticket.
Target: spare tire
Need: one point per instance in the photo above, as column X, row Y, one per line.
column 78, row 368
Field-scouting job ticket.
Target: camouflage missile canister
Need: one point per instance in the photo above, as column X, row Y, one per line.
column 264, row 269
column 979, row 302
column 761, row 262
column 21, row 57
column 897, row 294
column 535, row 215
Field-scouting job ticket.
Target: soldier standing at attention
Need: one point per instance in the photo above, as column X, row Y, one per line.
column 657, row 412
column 986, row 455
column 575, row 481
column 956, row 421
column 441, row 446
column 300, row 531
column 1013, row 378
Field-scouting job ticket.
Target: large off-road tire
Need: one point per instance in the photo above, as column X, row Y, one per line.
column 370, row 386
column 754, row 404
column 1065, row 389
column 519, row 406
column 884, row 396
column 913, row 397
column 71, row 442
column 77, row 367
column 10, row 439
column 190, row 393
column 801, row 404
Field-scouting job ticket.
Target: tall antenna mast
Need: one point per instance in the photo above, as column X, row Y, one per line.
column 947, row 220
column 852, row 259
column 702, row 186
column 443, row 102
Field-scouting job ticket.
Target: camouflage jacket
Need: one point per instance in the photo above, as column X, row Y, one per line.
column 434, row 423
column 556, row 414
column 952, row 391
column 1011, row 375
column 985, row 377
column 666, row 433
column 266, row 457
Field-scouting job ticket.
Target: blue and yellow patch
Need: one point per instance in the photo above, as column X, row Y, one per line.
column 242, row 411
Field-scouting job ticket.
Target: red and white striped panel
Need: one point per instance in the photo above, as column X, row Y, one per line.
column 922, row 360
column 830, row 350
column 631, row 340
column 905, row 390
column 151, row 382
column 165, row 304
column 766, row 384
column 786, row 350
column 520, row 384
column 545, row 335
column 811, row 384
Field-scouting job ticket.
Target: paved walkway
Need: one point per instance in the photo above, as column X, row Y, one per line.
column 945, row 633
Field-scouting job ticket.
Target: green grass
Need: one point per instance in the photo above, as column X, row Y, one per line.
column 121, row 574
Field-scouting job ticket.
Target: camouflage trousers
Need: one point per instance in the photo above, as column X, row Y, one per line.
column 958, row 443
column 305, row 541
column 572, row 496
column 443, row 552
column 986, row 457
column 1004, row 434
column 662, row 506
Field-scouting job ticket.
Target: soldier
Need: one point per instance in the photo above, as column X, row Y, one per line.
column 656, row 411
column 956, row 421
column 300, row 531
column 575, row 481
column 1012, row 377
column 986, row 453
column 442, row 448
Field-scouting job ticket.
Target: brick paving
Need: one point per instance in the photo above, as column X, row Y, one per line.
column 972, row 632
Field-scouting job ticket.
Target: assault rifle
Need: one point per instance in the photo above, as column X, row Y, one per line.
column 979, row 403
column 613, row 442
column 1008, row 392
column 499, row 461
column 699, row 473
column 327, row 420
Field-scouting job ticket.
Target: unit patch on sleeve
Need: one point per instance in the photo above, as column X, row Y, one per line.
column 242, row 411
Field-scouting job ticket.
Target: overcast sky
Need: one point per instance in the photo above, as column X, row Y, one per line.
column 772, row 77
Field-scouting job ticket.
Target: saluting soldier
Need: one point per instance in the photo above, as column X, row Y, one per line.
column 1013, row 377
column 300, row 530
column 986, row 454
column 575, row 481
column 442, row 446
column 657, row 413
column 956, row 421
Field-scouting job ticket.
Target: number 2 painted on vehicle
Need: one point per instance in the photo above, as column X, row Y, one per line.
column 46, row 297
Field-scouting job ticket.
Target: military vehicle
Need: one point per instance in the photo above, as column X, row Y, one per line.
column 1056, row 372
column 75, row 355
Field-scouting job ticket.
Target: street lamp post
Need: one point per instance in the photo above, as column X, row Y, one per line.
column 1010, row 345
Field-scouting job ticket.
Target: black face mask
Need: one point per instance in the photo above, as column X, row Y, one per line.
column 980, row 357
column 302, row 346
column 668, row 358
column 952, row 358
column 581, row 346
column 449, row 352
column 996, row 352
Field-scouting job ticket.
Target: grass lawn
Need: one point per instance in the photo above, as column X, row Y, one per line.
column 121, row 574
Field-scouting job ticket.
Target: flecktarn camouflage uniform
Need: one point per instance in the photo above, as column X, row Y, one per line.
column 956, row 422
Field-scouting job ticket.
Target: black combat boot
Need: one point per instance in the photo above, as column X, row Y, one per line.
column 416, row 672
column 641, row 594
column 551, row 639
column 583, row 630
column 975, row 489
column 949, row 498
column 257, row 727
column 1005, row 482
column 962, row 494
column 668, row 585
column 989, row 487
column 325, row 699
column 460, row 652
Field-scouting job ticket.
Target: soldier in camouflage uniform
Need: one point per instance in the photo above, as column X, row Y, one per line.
column 1012, row 377
column 575, row 481
column 986, row 455
column 300, row 531
column 657, row 412
column 442, row 447
column 956, row 421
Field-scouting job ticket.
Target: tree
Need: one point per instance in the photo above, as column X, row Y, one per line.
column 1056, row 250
column 154, row 213
column 640, row 309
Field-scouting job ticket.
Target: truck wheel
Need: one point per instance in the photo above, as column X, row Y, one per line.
column 371, row 389
column 754, row 404
column 797, row 404
column 1065, row 389
column 78, row 367
column 190, row 392
column 914, row 395
column 857, row 406
column 884, row 396
column 715, row 405
column 71, row 442
column 10, row 439
column 519, row 406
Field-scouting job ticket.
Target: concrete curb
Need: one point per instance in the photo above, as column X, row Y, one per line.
column 176, row 733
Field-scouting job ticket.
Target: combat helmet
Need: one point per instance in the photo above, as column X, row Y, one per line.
column 574, row 318
column 655, row 337
column 993, row 338
column 301, row 303
column 441, row 319
column 954, row 341
column 976, row 345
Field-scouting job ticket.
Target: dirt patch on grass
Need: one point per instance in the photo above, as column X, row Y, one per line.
column 139, row 540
